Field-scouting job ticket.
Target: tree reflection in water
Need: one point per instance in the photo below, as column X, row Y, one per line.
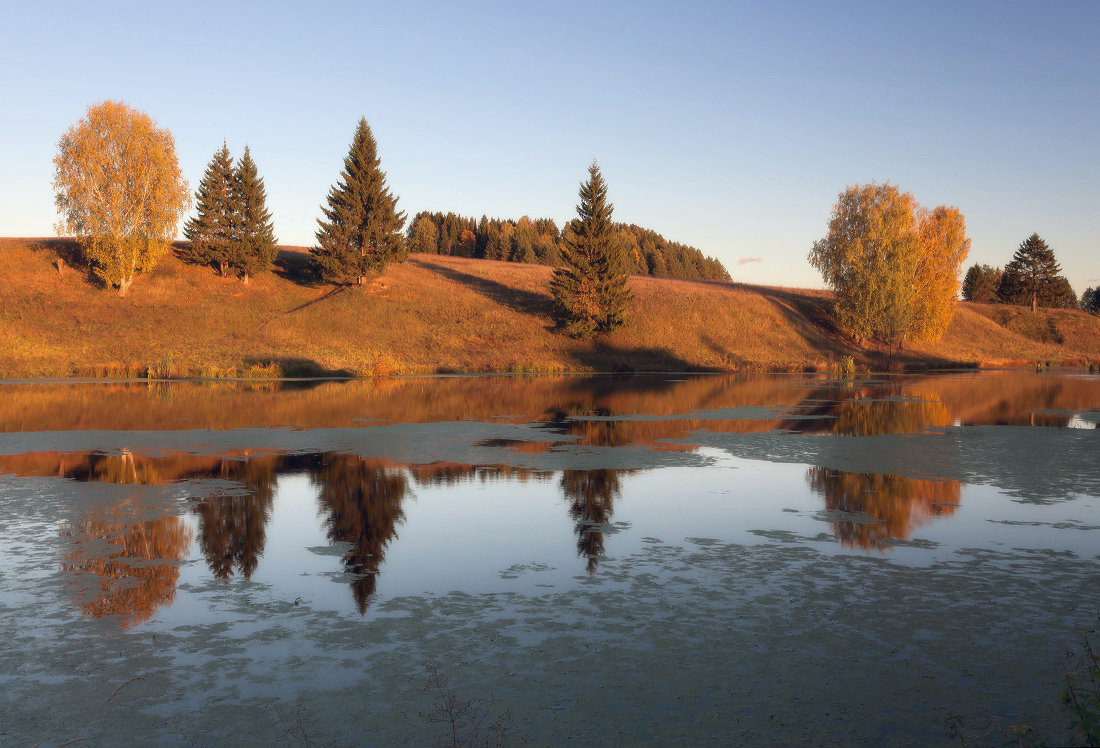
column 233, row 527
column 591, row 495
column 894, row 504
column 137, row 574
column 362, row 501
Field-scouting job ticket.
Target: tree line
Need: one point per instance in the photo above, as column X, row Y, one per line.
column 539, row 241
column 1031, row 278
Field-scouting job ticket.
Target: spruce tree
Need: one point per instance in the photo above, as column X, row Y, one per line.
column 1090, row 300
column 590, row 286
column 253, row 247
column 1030, row 278
column 211, row 231
column 361, row 232
column 981, row 284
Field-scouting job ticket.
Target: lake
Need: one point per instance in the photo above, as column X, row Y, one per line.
column 585, row 559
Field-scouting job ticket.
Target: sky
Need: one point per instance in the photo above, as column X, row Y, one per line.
column 728, row 126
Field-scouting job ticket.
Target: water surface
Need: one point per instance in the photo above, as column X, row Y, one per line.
column 605, row 559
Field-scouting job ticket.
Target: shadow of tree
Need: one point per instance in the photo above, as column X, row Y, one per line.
column 70, row 254
column 602, row 355
column 517, row 300
column 811, row 318
column 305, row 368
column 293, row 265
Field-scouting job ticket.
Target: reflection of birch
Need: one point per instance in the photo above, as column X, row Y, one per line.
column 136, row 571
column 591, row 495
column 362, row 500
column 895, row 503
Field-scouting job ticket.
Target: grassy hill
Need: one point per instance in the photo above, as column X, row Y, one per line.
column 438, row 314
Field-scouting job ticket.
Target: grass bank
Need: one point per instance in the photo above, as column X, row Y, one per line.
column 437, row 314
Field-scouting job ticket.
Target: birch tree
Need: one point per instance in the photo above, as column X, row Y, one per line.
column 119, row 190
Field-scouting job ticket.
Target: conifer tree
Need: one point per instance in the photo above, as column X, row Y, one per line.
column 211, row 231
column 361, row 232
column 253, row 247
column 590, row 286
column 1090, row 300
column 1030, row 278
column 981, row 283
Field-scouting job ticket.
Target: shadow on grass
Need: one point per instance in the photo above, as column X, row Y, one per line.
column 600, row 355
column 292, row 265
column 811, row 318
column 517, row 300
column 70, row 255
column 333, row 291
column 303, row 368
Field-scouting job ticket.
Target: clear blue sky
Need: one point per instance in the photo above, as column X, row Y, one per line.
column 731, row 127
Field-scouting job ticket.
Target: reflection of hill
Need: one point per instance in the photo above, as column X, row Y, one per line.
column 871, row 410
column 362, row 499
column 668, row 407
column 1005, row 398
column 135, row 571
column 894, row 503
column 591, row 495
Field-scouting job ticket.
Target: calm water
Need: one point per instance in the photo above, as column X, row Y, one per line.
column 596, row 560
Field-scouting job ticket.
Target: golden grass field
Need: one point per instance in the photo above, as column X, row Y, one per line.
column 437, row 314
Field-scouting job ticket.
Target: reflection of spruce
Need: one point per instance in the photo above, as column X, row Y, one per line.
column 591, row 495
column 898, row 503
column 592, row 433
column 233, row 529
column 363, row 503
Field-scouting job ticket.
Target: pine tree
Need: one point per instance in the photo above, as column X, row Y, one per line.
column 361, row 232
column 253, row 247
column 590, row 286
column 1030, row 278
column 211, row 231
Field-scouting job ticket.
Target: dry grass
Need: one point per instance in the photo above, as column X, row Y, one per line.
column 436, row 315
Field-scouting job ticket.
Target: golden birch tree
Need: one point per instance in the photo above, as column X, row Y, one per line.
column 943, row 249
column 119, row 190
column 893, row 265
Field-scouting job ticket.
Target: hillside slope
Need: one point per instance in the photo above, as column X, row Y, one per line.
column 435, row 314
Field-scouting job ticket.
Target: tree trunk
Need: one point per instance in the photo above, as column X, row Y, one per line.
column 1034, row 302
column 124, row 285
column 244, row 278
column 361, row 279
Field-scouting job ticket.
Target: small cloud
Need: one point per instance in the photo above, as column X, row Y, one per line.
column 747, row 260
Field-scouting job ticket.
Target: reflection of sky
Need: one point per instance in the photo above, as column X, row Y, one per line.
column 1084, row 420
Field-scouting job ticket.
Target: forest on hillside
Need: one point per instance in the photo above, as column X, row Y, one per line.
column 538, row 241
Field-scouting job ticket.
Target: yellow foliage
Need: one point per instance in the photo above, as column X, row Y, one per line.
column 893, row 265
column 119, row 189
column 943, row 249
